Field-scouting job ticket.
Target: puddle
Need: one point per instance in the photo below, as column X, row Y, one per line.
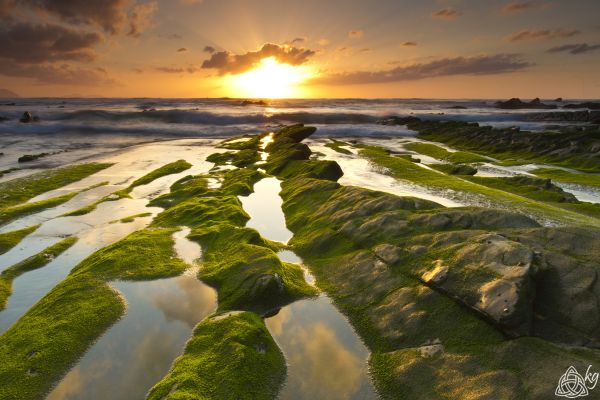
column 139, row 350
column 30, row 287
column 326, row 358
column 360, row 172
column 264, row 208
column 94, row 229
column 588, row 194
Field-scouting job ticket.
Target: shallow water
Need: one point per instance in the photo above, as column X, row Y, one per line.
column 358, row 171
column 264, row 208
column 32, row 286
column 326, row 358
column 96, row 229
column 139, row 350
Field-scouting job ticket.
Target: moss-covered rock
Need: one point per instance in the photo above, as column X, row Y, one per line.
column 9, row 240
column 230, row 356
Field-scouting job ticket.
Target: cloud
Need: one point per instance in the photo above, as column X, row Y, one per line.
column 298, row 40
column 517, row 6
column 476, row 65
column 108, row 14
column 140, row 17
column 323, row 42
column 181, row 49
column 542, row 34
column 577, row 48
column 27, row 43
column 409, row 44
column 446, row 13
column 356, row 34
column 178, row 70
column 6, row 7
column 209, row 49
column 57, row 74
column 227, row 63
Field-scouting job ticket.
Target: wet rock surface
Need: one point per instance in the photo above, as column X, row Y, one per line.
column 436, row 293
column 579, row 148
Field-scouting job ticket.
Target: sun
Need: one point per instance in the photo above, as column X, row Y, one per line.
column 270, row 79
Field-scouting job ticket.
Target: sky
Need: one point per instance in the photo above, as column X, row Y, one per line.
column 301, row 48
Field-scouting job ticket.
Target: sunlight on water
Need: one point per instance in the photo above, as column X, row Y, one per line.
column 264, row 208
column 138, row 351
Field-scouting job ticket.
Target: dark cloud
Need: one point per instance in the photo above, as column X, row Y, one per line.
column 209, row 49
column 178, row 70
column 446, row 13
column 57, row 74
column 140, row 17
column 108, row 14
column 577, row 48
column 409, row 44
column 112, row 16
column 6, row 7
column 27, row 43
column 517, row 6
column 181, row 49
column 356, row 34
column 298, row 40
column 227, row 63
column 477, row 65
column 542, row 34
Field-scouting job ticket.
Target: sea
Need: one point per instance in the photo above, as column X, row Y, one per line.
column 225, row 117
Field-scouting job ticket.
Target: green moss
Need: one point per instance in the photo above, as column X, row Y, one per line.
column 245, row 270
column 539, row 190
column 229, row 357
column 338, row 146
column 241, row 142
column 240, row 158
column 532, row 188
column 43, row 344
column 131, row 218
column 34, row 262
column 19, row 190
column 559, row 175
column 203, row 210
column 512, row 146
column 440, row 153
column 9, row 240
column 12, row 213
column 407, row 171
column 168, row 169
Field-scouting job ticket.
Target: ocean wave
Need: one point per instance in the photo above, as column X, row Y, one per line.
column 175, row 116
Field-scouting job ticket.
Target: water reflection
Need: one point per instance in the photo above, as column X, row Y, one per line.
column 264, row 208
column 358, row 171
column 326, row 359
column 138, row 351
column 32, row 286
